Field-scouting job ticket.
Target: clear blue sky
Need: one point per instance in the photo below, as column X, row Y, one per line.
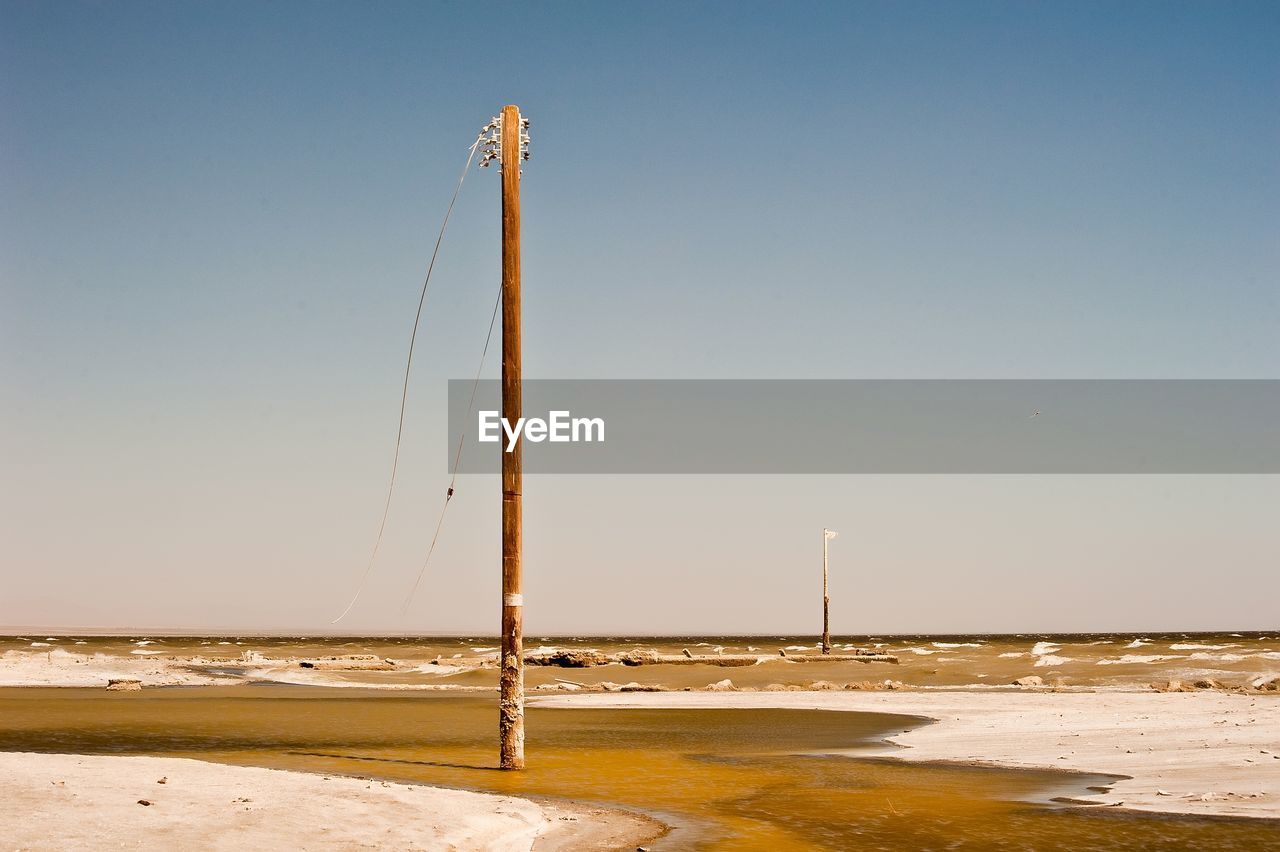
column 214, row 219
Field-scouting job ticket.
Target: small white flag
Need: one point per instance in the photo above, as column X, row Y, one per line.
column 830, row 534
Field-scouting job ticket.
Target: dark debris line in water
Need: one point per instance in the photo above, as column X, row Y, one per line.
column 729, row 778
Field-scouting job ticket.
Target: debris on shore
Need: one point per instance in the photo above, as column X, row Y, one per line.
column 124, row 684
column 350, row 663
column 566, row 658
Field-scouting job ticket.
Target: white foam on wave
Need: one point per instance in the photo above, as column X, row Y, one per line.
column 1219, row 658
column 144, row 651
column 483, row 650
column 1135, row 659
column 1009, row 655
column 1050, row 660
column 923, row 652
column 1138, row 643
column 1192, row 646
column 1041, row 648
column 437, row 669
column 145, row 642
column 39, row 644
column 956, row 644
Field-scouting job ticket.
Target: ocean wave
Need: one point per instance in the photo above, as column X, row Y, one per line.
column 1219, row 658
column 1138, row 643
column 923, row 652
column 144, row 651
column 1050, row 660
column 1135, row 659
column 1195, row 647
column 437, row 669
column 1041, row 648
column 956, row 644
column 1009, row 655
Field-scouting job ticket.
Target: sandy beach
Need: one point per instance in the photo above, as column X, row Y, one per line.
column 1169, row 735
column 1193, row 753
column 68, row 801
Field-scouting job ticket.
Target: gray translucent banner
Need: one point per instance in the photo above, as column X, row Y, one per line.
column 886, row 426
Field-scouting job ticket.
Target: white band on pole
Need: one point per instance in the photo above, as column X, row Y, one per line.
column 513, row 600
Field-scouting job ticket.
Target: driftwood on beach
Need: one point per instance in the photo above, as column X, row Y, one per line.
column 576, row 659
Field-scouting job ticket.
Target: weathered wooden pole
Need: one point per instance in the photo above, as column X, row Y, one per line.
column 511, row 679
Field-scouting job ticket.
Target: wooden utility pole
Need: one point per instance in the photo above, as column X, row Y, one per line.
column 511, row 678
column 827, row 535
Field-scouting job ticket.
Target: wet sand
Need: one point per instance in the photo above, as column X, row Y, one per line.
column 774, row 778
column 1208, row 753
column 723, row 754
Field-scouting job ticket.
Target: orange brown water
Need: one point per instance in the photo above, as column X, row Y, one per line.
column 1076, row 660
column 727, row 779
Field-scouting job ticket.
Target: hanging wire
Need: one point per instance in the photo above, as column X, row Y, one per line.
column 404, row 391
column 457, row 458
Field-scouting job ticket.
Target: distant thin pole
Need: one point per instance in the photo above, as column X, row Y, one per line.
column 827, row 535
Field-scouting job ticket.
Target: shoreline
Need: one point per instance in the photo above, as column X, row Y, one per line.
column 1202, row 748
column 1203, row 754
column 83, row 802
column 1196, row 667
column 1198, row 754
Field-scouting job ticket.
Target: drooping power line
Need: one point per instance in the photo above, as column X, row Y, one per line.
column 404, row 391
